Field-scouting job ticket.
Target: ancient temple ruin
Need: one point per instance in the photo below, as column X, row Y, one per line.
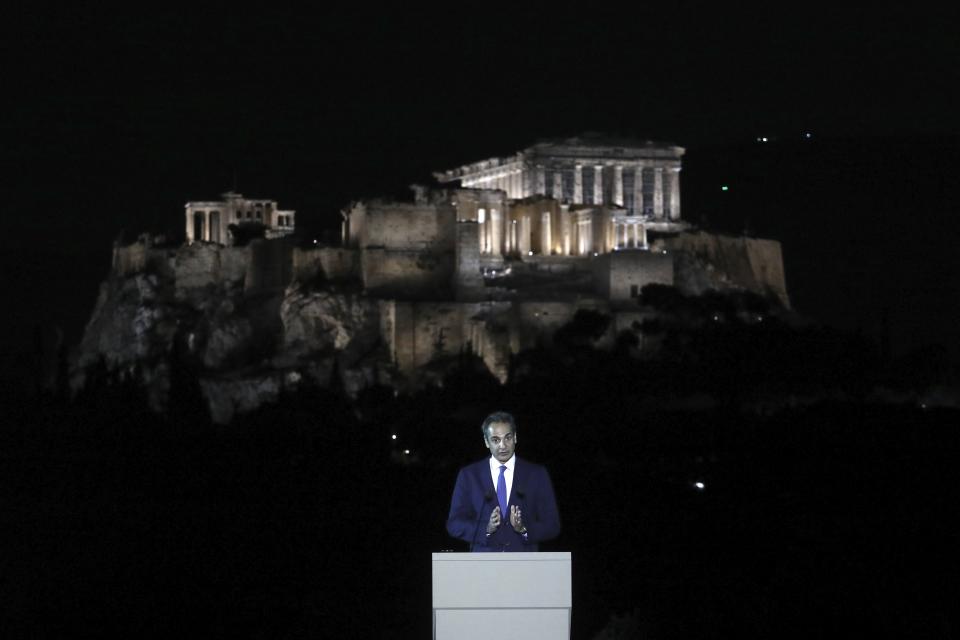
column 491, row 262
column 210, row 221
column 611, row 191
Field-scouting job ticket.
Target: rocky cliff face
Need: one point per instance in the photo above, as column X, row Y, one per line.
column 247, row 329
column 245, row 347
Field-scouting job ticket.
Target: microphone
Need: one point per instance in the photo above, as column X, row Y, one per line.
column 487, row 497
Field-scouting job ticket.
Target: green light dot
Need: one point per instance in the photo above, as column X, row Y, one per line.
column 725, row 188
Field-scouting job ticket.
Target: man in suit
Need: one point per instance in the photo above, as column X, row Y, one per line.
column 503, row 503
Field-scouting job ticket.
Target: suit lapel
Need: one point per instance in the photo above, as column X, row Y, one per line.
column 518, row 482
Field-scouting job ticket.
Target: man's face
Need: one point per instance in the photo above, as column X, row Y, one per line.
column 501, row 440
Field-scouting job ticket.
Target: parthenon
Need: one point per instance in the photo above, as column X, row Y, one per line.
column 637, row 182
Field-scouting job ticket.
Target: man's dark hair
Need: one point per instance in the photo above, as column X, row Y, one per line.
column 495, row 417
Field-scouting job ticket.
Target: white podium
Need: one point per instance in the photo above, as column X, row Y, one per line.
column 526, row 596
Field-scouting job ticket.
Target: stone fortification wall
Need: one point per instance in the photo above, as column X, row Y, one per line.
column 621, row 275
column 468, row 281
column 329, row 263
column 142, row 258
column 191, row 266
column 270, row 266
column 418, row 332
column 196, row 266
column 403, row 226
column 407, row 274
column 724, row 262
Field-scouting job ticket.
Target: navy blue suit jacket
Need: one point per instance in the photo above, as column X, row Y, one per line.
column 475, row 496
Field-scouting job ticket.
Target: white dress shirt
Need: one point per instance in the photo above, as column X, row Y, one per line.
column 507, row 476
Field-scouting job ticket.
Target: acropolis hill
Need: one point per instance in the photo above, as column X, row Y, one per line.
column 492, row 262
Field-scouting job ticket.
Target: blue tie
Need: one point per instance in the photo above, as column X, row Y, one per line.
column 502, row 493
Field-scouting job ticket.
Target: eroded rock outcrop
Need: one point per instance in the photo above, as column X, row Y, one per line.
column 247, row 328
column 245, row 347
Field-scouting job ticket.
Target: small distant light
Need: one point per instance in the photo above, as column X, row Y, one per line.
column 314, row 241
column 763, row 139
column 393, row 437
column 663, row 251
column 700, row 486
column 923, row 405
column 529, row 253
column 807, row 135
column 716, row 317
column 724, row 188
column 406, row 452
column 595, row 254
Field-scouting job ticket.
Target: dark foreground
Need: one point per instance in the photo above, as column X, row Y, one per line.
column 311, row 521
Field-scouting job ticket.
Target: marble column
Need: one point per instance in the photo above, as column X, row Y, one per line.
column 495, row 232
column 675, row 193
column 546, row 237
column 541, row 184
column 557, row 186
column 658, row 193
column 638, row 191
column 578, row 184
column 618, row 185
column 598, row 184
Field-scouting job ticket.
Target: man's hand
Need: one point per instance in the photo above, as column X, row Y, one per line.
column 494, row 522
column 516, row 519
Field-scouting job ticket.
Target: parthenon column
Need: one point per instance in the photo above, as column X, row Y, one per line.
column 598, row 184
column 557, row 186
column 675, row 193
column 618, row 185
column 658, row 192
column 638, row 191
column 578, row 184
column 541, row 184
column 495, row 232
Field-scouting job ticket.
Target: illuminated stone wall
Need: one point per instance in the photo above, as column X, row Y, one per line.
column 421, row 274
column 468, row 283
column 329, row 263
column 755, row 264
column 270, row 266
column 621, row 275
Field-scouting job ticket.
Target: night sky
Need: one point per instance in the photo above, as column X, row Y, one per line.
column 815, row 515
column 114, row 120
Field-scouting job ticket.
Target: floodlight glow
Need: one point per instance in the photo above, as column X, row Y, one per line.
column 699, row 485
column 393, row 437
column 406, row 452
